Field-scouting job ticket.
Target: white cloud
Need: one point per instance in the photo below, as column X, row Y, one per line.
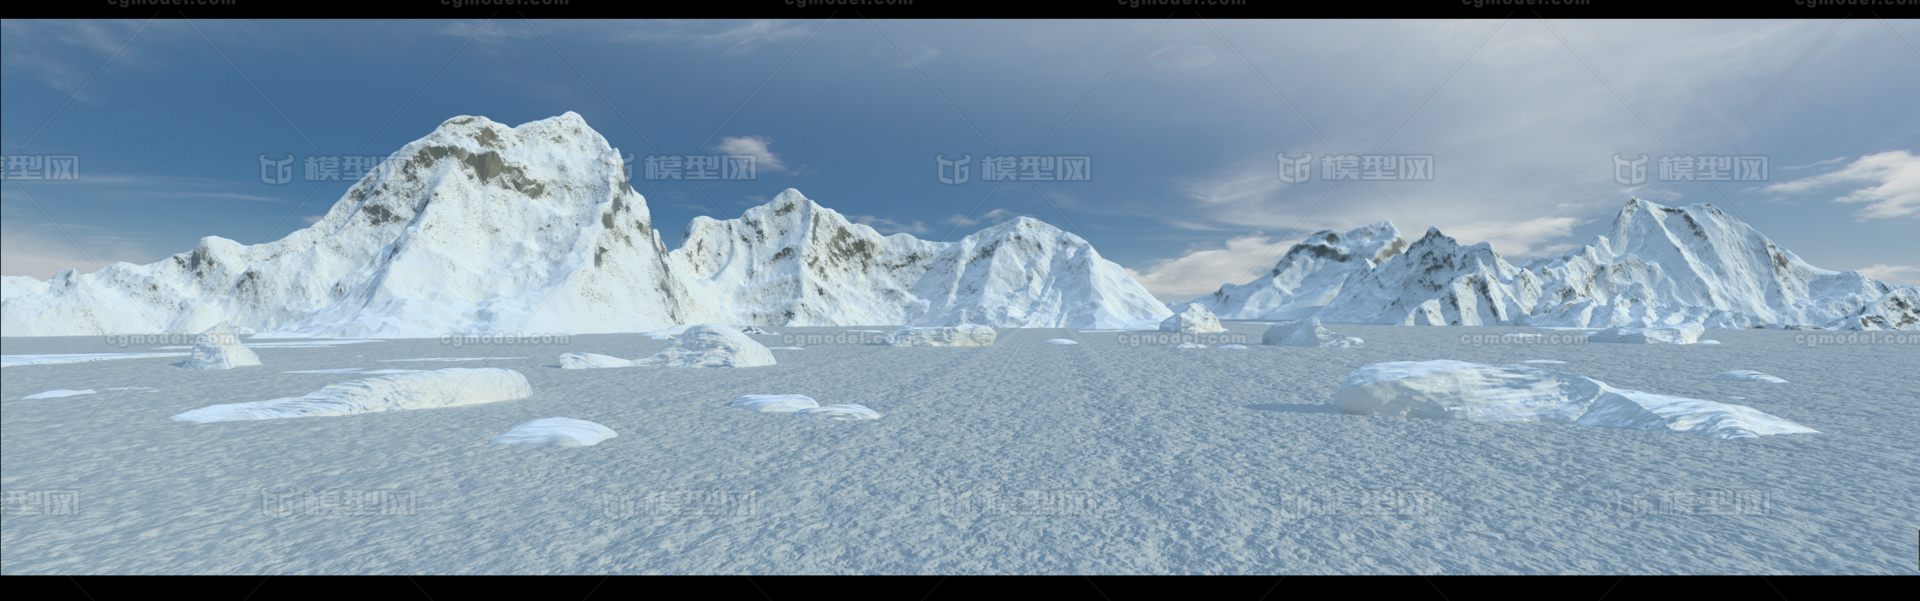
column 888, row 226
column 1510, row 238
column 41, row 250
column 1893, row 274
column 736, row 39
column 753, row 146
column 312, row 218
column 1895, row 192
column 995, row 216
column 1202, row 271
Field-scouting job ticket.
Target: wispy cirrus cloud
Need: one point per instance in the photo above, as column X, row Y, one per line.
column 1201, row 271
column 1894, row 192
column 734, row 40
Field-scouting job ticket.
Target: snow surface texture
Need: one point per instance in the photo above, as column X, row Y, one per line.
column 711, row 345
column 774, row 403
column 556, row 432
column 479, row 228
column 591, row 361
column 1191, row 318
column 1459, row 390
column 964, row 335
column 1310, row 275
column 1306, row 332
column 1748, row 375
column 220, row 348
column 54, row 394
column 1659, row 266
column 839, row 413
column 1627, row 335
column 425, row 390
column 13, row 360
column 1227, row 462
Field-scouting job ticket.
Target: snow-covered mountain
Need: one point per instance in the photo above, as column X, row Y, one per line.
column 1659, row 266
column 1309, row 276
column 480, row 228
column 1437, row 281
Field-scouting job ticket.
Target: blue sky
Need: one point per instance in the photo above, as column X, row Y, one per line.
column 1181, row 123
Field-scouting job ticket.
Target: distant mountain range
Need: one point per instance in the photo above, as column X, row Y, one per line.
column 1659, row 266
column 479, row 228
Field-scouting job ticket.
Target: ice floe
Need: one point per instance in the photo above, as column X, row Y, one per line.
column 838, row 413
column 54, row 394
column 1061, row 341
column 1307, row 332
column 711, row 345
column 556, row 432
column 425, row 390
column 1632, row 335
column 592, row 361
column 774, row 403
column 1748, row 375
column 1459, row 390
column 963, row 335
column 1191, row 318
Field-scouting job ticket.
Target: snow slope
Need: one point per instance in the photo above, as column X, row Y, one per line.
column 1309, row 276
column 1658, row 267
column 479, row 228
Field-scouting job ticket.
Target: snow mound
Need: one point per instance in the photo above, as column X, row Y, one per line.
column 1627, row 335
column 54, row 394
column 1061, row 341
column 1306, row 332
column 1233, row 346
column 425, row 390
column 591, row 361
column 1472, row 392
column 711, row 345
column 963, row 335
column 220, row 348
column 1748, row 375
column 1310, row 275
column 841, row 413
column 774, row 403
column 755, row 331
column 1708, row 342
column 1192, row 318
column 556, row 432
column 1542, row 361
column 1190, row 345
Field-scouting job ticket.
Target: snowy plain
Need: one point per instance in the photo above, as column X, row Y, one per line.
column 1117, row 455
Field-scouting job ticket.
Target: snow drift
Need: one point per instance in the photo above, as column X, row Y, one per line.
column 220, row 348
column 556, row 432
column 424, row 390
column 711, row 345
column 1468, row 391
column 1306, row 332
